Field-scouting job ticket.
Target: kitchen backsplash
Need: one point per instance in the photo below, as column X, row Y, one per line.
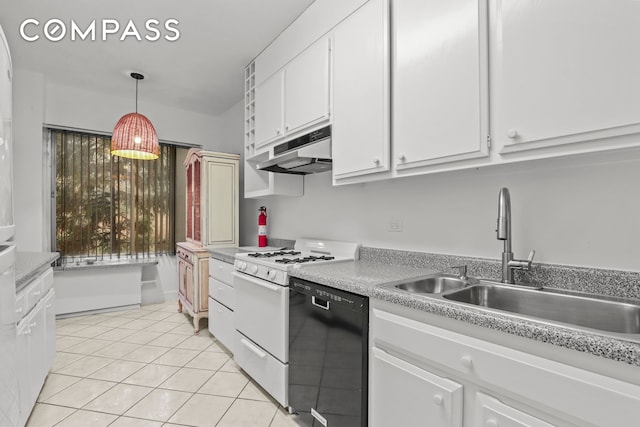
column 614, row 283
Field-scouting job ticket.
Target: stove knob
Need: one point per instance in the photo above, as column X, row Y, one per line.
column 272, row 274
column 242, row 266
column 253, row 269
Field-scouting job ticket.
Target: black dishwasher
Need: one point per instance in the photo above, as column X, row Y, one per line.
column 328, row 355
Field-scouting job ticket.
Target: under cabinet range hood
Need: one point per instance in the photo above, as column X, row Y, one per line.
column 309, row 153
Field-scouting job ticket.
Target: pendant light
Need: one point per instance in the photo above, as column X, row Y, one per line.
column 134, row 137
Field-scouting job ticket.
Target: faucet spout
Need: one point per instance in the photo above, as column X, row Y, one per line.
column 503, row 232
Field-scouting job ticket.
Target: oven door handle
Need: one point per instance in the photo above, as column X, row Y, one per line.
column 259, row 282
column 261, row 354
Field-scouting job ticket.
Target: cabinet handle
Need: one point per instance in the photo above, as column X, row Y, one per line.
column 438, row 399
column 27, row 332
column 512, row 133
column 277, row 131
column 36, row 293
column 466, row 361
column 402, row 157
column 286, row 127
column 376, row 161
column 261, row 354
column 19, row 310
column 48, row 306
column 492, row 422
column 32, row 325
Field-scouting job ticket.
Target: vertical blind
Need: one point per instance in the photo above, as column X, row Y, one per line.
column 108, row 206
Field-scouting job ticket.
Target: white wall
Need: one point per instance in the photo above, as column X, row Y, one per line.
column 73, row 107
column 28, row 160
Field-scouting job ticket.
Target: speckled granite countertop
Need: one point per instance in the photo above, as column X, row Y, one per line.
column 364, row 277
column 29, row 264
column 225, row 254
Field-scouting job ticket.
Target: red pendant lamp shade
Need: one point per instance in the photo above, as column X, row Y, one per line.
column 134, row 137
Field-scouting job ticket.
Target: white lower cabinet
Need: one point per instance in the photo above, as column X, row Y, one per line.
column 426, row 375
column 222, row 296
column 32, row 356
column 221, row 324
column 406, row 395
column 36, row 340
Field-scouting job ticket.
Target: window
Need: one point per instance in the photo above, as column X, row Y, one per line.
column 110, row 207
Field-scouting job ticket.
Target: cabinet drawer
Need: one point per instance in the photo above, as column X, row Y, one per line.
column 47, row 281
column 545, row 382
column 222, row 325
column 222, row 293
column 21, row 305
column 185, row 255
column 490, row 411
column 266, row 370
column 33, row 293
column 222, row 271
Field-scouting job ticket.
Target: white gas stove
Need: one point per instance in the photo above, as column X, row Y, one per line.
column 261, row 283
column 273, row 266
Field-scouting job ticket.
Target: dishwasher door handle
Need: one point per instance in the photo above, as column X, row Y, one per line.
column 261, row 354
column 324, row 307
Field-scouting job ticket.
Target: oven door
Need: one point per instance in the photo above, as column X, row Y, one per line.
column 262, row 314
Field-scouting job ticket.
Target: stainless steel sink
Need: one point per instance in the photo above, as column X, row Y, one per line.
column 433, row 284
column 612, row 315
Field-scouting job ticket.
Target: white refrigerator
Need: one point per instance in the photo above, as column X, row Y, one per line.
column 9, row 404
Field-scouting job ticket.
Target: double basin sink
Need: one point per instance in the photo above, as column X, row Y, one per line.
column 614, row 315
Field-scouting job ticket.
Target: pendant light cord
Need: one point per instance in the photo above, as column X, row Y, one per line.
column 137, row 95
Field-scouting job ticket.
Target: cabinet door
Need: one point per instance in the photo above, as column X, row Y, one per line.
column 269, row 110
column 37, row 349
column 182, row 277
column 565, row 71
column 360, row 133
column 188, row 279
column 24, row 367
column 490, row 412
column 440, row 107
column 222, row 203
column 405, row 395
column 50, row 328
column 306, row 88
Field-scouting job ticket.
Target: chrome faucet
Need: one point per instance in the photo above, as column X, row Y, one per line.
column 503, row 232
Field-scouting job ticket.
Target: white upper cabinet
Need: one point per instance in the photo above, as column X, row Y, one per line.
column 565, row 72
column 360, row 93
column 306, row 88
column 440, row 82
column 295, row 97
column 269, row 109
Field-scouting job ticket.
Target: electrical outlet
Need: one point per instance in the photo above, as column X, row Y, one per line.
column 395, row 225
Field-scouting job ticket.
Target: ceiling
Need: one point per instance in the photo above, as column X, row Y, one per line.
column 201, row 71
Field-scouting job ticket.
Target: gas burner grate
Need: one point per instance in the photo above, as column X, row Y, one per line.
column 272, row 254
column 310, row 258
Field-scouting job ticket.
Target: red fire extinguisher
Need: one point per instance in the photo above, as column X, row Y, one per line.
column 262, row 226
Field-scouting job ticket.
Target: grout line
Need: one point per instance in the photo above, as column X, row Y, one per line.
column 197, row 353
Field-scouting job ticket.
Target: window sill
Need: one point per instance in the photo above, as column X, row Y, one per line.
column 97, row 264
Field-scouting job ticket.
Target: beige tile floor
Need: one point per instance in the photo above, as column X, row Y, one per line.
column 146, row 368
